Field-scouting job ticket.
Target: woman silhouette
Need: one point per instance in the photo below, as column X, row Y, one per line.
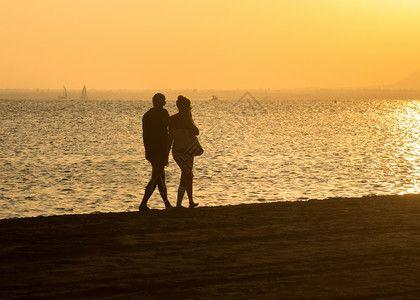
column 183, row 131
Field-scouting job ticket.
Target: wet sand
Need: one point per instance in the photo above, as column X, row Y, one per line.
column 336, row 248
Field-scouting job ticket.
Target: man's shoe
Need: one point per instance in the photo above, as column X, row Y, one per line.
column 144, row 208
column 168, row 206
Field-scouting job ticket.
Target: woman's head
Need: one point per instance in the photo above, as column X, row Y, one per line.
column 183, row 104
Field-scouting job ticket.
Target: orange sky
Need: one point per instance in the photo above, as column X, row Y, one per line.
column 161, row 44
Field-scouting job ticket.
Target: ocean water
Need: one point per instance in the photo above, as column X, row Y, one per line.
column 72, row 156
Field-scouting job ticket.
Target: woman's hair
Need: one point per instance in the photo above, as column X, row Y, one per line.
column 183, row 103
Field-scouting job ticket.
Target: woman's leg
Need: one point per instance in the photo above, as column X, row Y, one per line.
column 188, row 178
column 181, row 191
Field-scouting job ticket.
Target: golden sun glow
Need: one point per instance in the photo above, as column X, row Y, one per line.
column 207, row 44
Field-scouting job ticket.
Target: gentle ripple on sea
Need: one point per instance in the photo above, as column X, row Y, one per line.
column 60, row 157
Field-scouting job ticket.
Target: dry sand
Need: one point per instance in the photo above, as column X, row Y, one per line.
column 336, row 248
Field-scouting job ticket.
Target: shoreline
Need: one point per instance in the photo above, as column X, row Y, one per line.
column 338, row 247
column 162, row 210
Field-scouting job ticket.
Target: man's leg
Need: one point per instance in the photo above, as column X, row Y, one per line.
column 157, row 170
column 162, row 189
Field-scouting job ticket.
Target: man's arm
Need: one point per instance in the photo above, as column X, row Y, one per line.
column 146, row 137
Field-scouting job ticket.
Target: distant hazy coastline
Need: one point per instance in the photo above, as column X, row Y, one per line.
column 206, row 94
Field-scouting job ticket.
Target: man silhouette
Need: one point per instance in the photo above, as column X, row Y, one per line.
column 157, row 146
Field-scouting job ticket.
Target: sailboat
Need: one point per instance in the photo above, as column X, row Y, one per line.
column 84, row 95
column 64, row 95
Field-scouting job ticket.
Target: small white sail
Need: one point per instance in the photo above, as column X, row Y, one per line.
column 64, row 94
column 84, row 95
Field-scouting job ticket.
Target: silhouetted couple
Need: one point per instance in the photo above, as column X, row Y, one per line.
column 160, row 134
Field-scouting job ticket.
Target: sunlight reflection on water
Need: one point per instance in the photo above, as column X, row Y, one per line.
column 77, row 157
column 409, row 123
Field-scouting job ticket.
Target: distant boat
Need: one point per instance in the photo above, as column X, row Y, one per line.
column 64, row 95
column 214, row 98
column 84, row 95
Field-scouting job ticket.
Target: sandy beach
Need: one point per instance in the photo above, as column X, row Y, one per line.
column 336, row 248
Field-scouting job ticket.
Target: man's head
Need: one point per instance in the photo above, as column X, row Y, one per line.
column 159, row 100
column 183, row 104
